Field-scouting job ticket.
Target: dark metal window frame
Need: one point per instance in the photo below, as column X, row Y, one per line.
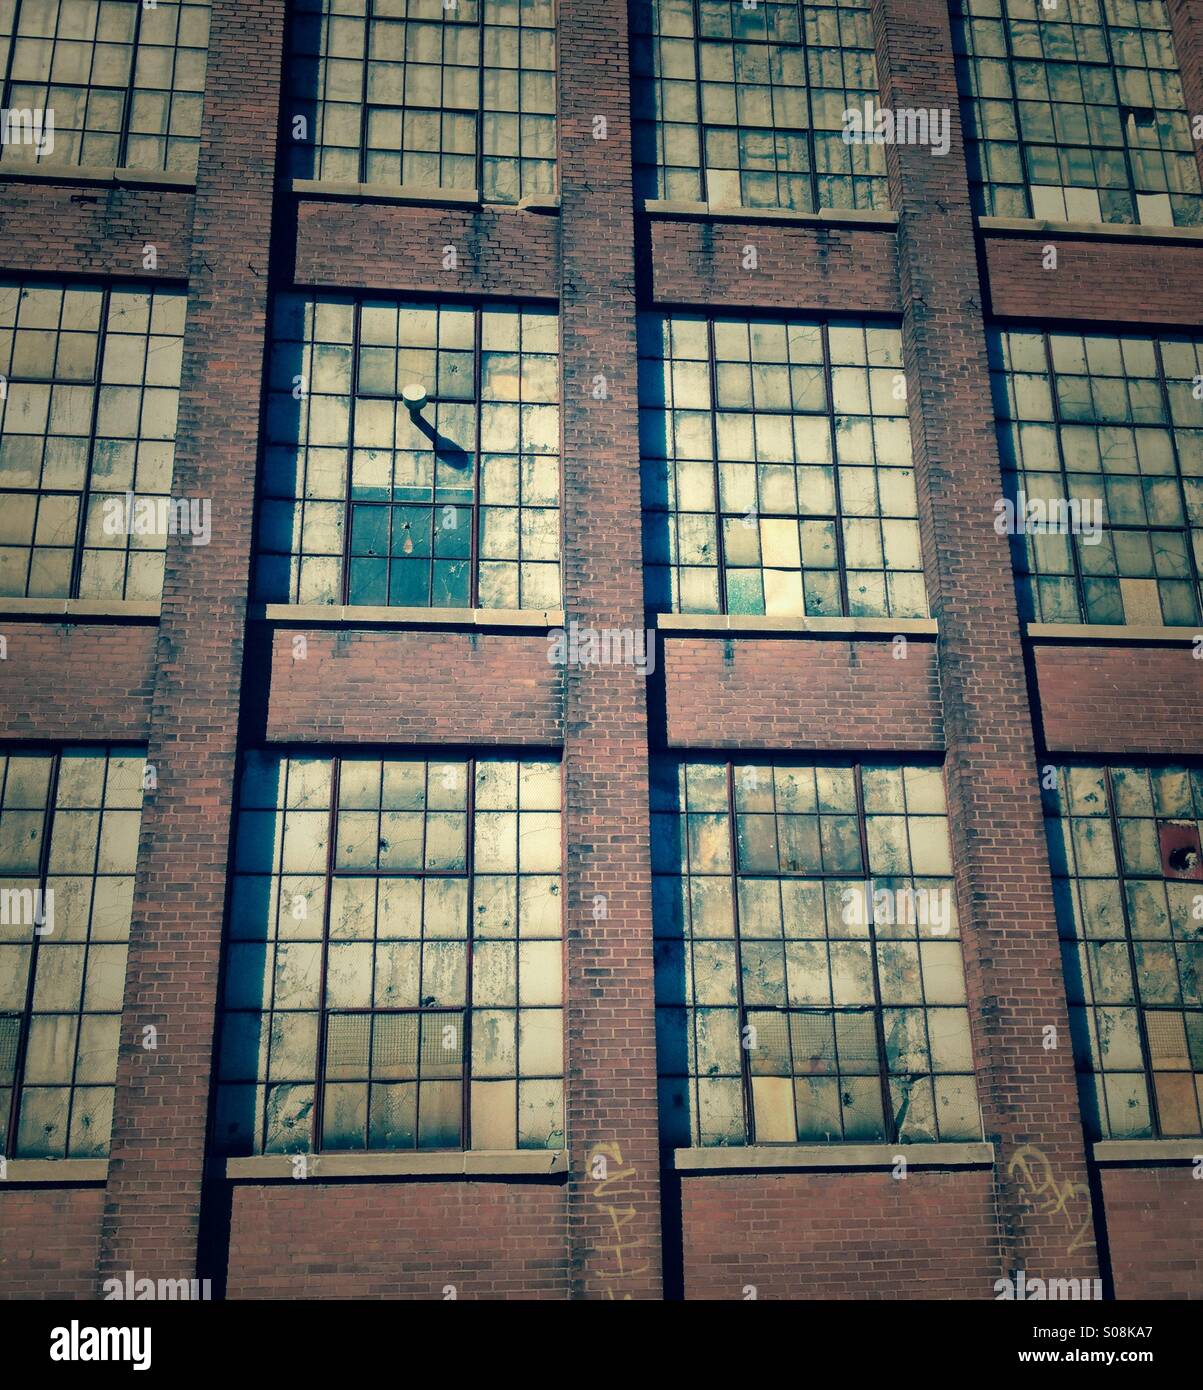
column 802, row 45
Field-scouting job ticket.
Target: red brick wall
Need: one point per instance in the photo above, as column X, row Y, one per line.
column 788, row 695
column 1122, row 700
column 414, row 687
column 71, row 681
column 97, row 229
column 49, row 1240
column 1012, row 960
column 398, row 1240
column 613, row 1193
column 840, row 1235
column 152, row 1210
column 1132, row 282
column 396, row 247
column 1155, row 1230
column 799, row 266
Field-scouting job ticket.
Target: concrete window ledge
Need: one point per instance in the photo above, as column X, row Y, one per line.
column 1146, row 1151
column 1103, row 231
column 92, row 173
column 79, row 610
column 797, row 627
column 1113, row 634
column 476, row 1163
column 714, row 212
column 57, row 1172
column 385, row 193
column 755, row 1158
column 351, row 615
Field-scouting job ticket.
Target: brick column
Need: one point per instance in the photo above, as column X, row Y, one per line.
column 614, row 1222
column 1186, row 21
column 159, row 1128
column 1028, row 1095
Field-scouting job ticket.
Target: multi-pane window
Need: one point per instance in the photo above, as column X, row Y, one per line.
column 68, row 850
column 1101, row 439
column 421, row 93
column 1075, row 111
column 1124, row 847
column 743, row 105
column 368, row 501
column 809, row 982
column 394, row 973
column 777, row 472
column 123, row 79
column 87, row 431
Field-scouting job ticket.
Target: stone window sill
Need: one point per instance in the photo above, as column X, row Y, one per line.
column 1103, row 231
column 58, row 1172
column 364, row 615
column 797, row 627
column 478, row 1163
column 1113, row 634
column 714, row 212
column 415, row 195
column 752, row 1158
column 94, row 174
column 1145, row 1151
column 80, row 610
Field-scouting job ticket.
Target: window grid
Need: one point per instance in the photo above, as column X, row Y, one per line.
column 699, row 135
column 1107, row 155
column 702, row 1055
column 125, row 83
column 739, row 519
column 61, row 988
column 506, row 1032
column 89, row 417
column 1112, row 423
column 1131, row 947
column 380, row 122
column 358, row 492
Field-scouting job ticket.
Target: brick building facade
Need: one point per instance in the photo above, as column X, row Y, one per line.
column 642, row 1083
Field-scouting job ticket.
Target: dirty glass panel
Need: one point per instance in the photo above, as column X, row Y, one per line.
column 124, row 82
column 1075, row 112
column 809, row 981
column 1124, row 848
column 776, row 464
column 423, row 94
column 87, row 439
column 1101, row 442
column 394, row 957
column 743, row 105
column 68, row 853
column 451, row 504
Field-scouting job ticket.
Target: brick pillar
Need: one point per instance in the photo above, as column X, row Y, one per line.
column 159, row 1127
column 1028, row 1095
column 614, row 1222
column 1186, row 21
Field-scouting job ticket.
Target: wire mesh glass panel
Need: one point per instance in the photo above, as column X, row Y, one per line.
column 743, row 105
column 87, row 438
column 1075, row 112
column 453, row 504
column 809, row 982
column 776, row 464
column 1101, row 441
column 1131, row 941
column 424, row 94
column 394, row 964
column 69, row 822
column 120, row 83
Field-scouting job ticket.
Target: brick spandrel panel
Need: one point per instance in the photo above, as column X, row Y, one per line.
column 94, row 229
column 49, row 1242
column 431, row 1240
